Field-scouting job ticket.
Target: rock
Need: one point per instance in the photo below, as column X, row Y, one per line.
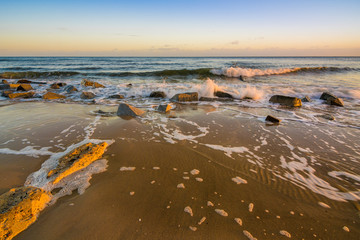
column 14, row 86
column 157, row 94
column 87, row 95
column 327, row 116
column 185, row 97
column 4, row 81
column 70, row 89
column 6, row 93
column 98, row 85
column 164, row 108
column 4, row 86
column 21, row 95
column 57, row 85
column 51, row 95
column 241, row 78
column 76, row 160
column 116, row 96
column 208, row 99
column 128, row 110
column 24, row 87
column 306, row 99
column 285, row 100
column 19, row 208
column 335, row 101
column 104, row 114
column 28, row 81
column 223, row 94
column 272, row 119
column 326, row 95
column 129, row 85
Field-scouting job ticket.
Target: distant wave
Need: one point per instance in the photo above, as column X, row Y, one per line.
column 250, row 72
column 17, row 75
column 162, row 73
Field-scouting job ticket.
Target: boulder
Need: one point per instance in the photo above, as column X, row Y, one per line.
column 98, row 85
column 19, row 208
column 57, row 85
column 87, row 83
column 306, row 99
column 185, row 97
column 223, row 94
column 28, row 81
column 70, row 89
column 208, row 99
column 129, row 85
column 76, row 160
column 157, row 94
column 326, row 95
column 335, row 101
column 4, row 86
column 87, row 95
column 22, row 95
column 285, row 100
column 51, row 95
column 4, row 81
column 164, row 108
column 127, row 110
column 6, row 93
column 14, row 86
column 272, row 119
column 24, row 87
column 116, row 96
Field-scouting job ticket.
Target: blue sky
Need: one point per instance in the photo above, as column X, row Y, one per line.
column 180, row 28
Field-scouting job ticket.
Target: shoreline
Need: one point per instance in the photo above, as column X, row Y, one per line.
column 198, row 138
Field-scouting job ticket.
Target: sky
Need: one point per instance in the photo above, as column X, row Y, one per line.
column 180, row 28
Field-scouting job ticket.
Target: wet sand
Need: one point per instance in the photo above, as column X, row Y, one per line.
column 224, row 146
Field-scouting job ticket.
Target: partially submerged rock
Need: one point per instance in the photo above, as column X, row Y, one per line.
column 14, row 86
column 127, row 110
column 306, row 99
column 57, row 85
column 51, row 95
column 24, row 81
column 285, row 100
column 87, row 95
column 70, row 89
column 88, row 83
column 24, row 87
column 21, row 95
column 326, row 95
column 164, row 108
column 331, row 99
column 78, row 159
column 272, row 119
column 208, row 99
column 19, row 208
column 327, row 116
column 4, row 81
column 223, row 94
column 98, row 85
column 186, row 97
column 6, row 93
column 158, row 94
column 116, row 96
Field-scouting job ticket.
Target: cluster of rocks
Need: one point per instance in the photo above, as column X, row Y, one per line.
column 20, row 207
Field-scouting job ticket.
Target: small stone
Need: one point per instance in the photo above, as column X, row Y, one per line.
column 87, row 83
column 87, row 95
column 57, row 85
column 98, row 85
column 51, row 95
column 157, row 94
column 335, row 101
column 272, row 119
column 327, row 95
column 128, row 110
column 70, row 89
column 24, row 87
column 164, row 108
column 306, row 99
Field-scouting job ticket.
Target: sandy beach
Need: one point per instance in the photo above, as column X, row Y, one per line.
column 197, row 172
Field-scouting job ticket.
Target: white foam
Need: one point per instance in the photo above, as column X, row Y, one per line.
column 250, row 72
column 127, row 169
column 194, row 172
column 192, row 228
column 249, row 235
column 238, row 221
column 180, row 185
column 239, row 180
column 324, row 205
column 30, row 151
column 228, row 150
column 202, row 220
column 346, row 229
column 251, row 207
column 199, row 179
column 156, row 168
column 336, row 174
column 210, row 204
column 221, row 212
column 188, row 210
column 285, row 233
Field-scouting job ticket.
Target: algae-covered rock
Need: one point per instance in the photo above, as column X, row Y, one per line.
column 19, row 208
column 285, row 100
column 21, row 95
column 331, row 99
column 186, row 97
column 78, row 159
column 51, row 95
column 127, row 110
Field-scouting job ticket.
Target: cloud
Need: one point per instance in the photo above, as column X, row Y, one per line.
column 63, row 29
column 234, row 42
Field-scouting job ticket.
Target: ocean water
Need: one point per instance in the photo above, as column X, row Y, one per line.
column 262, row 78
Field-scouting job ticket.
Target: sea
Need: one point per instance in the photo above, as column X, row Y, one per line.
column 256, row 78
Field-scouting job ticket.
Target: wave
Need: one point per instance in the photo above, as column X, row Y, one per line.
column 251, row 72
column 17, row 75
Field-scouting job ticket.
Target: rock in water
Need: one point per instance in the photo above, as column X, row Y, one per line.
column 223, row 94
column 127, row 110
column 272, row 119
column 331, row 99
column 19, row 208
column 78, row 159
column 209, row 99
column 306, row 99
column 326, row 95
column 157, row 94
column 70, row 89
column 24, row 81
column 21, row 95
column 98, row 85
column 6, row 93
column 87, row 83
column 57, row 85
column 116, row 96
column 4, row 81
column 87, row 95
column 186, row 97
column 327, row 116
column 24, row 87
column 164, row 108
column 285, row 100
column 51, row 95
